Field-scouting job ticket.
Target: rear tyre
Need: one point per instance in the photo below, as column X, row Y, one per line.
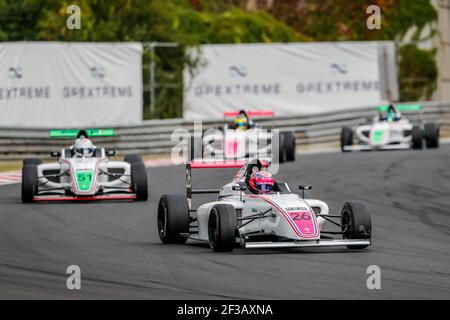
column 416, row 134
column 222, row 228
column 29, row 183
column 139, row 181
column 130, row 158
column 281, row 149
column 289, row 145
column 195, row 148
column 35, row 161
column 432, row 135
column 356, row 222
column 173, row 219
column 346, row 138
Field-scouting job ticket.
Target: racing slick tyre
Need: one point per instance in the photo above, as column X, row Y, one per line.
column 281, row 149
column 346, row 138
column 29, row 182
column 432, row 135
column 173, row 219
column 139, row 181
column 130, row 158
column 289, row 145
column 222, row 228
column 356, row 222
column 35, row 161
column 195, row 148
column 417, row 141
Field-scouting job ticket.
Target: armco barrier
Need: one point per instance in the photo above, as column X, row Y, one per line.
column 154, row 136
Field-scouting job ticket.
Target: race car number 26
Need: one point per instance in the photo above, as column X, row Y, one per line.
column 297, row 216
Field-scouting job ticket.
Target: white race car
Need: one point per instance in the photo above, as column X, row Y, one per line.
column 84, row 172
column 234, row 142
column 239, row 218
column 391, row 131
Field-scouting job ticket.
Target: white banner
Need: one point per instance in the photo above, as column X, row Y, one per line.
column 289, row 78
column 73, row 85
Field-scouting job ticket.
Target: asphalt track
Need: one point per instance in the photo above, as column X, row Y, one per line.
column 118, row 250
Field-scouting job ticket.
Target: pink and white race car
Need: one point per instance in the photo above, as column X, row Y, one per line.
column 239, row 218
column 243, row 139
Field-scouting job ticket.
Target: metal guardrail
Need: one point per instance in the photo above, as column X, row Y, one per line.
column 154, row 136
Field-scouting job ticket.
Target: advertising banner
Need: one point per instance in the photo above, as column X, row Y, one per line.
column 73, row 85
column 290, row 78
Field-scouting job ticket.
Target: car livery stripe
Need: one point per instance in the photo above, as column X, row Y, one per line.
column 288, row 217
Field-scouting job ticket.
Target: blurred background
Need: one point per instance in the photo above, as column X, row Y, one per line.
column 155, row 66
column 420, row 29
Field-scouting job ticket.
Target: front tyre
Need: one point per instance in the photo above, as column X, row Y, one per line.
column 130, row 158
column 356, row 222
column 29, row 183
column 173, row 219
column 416, row 134
column 432, row 135
column 35, row 161
column 222, row 228
column 139, row 181
column 346, row 138
column 281, row 149
column 289, row 145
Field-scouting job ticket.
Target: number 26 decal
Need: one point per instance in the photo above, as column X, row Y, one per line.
column 300, row 216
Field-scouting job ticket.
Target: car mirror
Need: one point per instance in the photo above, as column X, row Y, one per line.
column 241, row 186
column 110, row 152
column 303, row 188
column 55, row 154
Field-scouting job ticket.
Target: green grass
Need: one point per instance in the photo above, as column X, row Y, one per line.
column 10, row 165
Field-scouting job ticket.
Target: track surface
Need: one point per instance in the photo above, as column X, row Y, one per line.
column 118, row 250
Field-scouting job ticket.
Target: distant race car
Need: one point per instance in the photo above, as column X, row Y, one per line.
column 391, row 131
column 243, row 139
column 84, row 172
column 240, row 218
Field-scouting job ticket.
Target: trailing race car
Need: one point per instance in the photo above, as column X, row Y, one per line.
column 255, row 211
column 243, row 139
column 84, row 172
column 390, row 130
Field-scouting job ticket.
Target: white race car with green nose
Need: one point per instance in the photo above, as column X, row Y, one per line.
column 77, row 176
column 391, row 131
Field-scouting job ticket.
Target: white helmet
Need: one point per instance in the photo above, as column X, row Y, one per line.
column 83, row 147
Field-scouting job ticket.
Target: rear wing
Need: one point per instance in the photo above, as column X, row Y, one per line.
column 206, row 165
column 250, row 113
column 402, row 108
column 73, row 133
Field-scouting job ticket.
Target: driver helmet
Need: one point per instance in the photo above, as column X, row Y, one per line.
column 392, row 114
column 261, row 182
column 83, row 147
column 241, row 121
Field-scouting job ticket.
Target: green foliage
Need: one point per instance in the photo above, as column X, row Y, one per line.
column 194, row 22
column 178, row 21
column 416, row 62
column 18, row 19
column 337, row 20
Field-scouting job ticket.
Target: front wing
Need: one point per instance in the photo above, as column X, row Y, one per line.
column 307, row 244
column 401, row 146
column 125, row 196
